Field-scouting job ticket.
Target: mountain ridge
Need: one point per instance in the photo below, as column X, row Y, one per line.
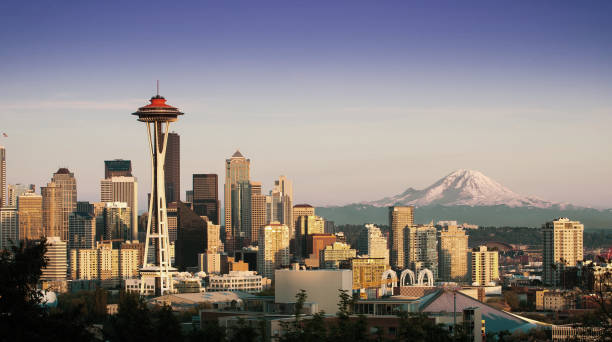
column 464, row 187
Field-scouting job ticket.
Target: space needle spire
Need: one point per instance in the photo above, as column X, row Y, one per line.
column 157, row 116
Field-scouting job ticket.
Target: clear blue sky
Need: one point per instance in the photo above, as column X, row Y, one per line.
column 351, row 100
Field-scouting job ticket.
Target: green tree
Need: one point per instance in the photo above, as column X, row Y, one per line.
column 210, row 332
column 22, row 314
column 243, row 332
column 418, row 327
column 132, row 321
column 348, row 328
column 166, row 325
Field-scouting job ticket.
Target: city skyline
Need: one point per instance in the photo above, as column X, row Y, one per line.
column 467, row 88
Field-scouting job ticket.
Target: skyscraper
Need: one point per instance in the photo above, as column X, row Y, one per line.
column 302, row 210
column 206, row 196
column 373, row 243
column 122, row 189
column 9, row 227
column 273, row 249
column 29, row 208
column 16, row 190
column 191, row 236
column 258, row 211
column 452, row 255
column 484, row 265
column 117, row 168
column 82, row 230
column 68, row 197
column 306, row 226
column 2, row 176
column 51, row 209
column 117, row 221
column 57, row 265
column 172, row 167
column 562, row 247
column 279, row 204
column 421, row 248
column 237, row 202
column 399, row 218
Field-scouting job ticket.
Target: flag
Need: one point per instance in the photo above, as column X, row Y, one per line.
column 5, row 135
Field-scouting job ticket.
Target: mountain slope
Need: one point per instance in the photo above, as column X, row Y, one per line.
column 463, row 187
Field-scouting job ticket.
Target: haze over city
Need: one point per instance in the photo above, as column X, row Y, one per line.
column 353, row 103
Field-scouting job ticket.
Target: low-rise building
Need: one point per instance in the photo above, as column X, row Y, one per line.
column 246, row 281
column 321, row 286
column 331, row 256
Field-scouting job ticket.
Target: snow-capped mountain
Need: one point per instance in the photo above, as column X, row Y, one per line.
column 463, row 187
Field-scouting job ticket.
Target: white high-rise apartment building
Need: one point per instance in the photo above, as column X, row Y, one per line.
column 373, row 243
column 57, row 266
column 421, row 248
column 562, row 247
column 273, row 251
column 9, row 227
column 484, row 266
column 122, row 189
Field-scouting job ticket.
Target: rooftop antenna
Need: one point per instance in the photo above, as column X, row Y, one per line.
column 157, row 87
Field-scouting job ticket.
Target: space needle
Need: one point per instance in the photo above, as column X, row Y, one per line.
column 157, row 116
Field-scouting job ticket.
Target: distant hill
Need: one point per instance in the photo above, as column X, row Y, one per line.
column 468, row 196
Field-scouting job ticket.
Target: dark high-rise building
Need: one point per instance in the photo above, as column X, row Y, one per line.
column 191, row 237
column 117, row 168
column 206, row 196
column 172, row 167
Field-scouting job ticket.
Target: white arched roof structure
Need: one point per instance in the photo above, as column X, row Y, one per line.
column 386, row 275
column 403, row 277
column 430, row 278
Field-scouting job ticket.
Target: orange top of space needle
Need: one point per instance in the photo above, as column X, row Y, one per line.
column 157, row 110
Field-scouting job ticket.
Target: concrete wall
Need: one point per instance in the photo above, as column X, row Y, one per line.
column 321, row 286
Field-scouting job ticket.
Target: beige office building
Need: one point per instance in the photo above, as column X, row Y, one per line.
column 331, row 256
column 104, row 263
column 68, row 198
column 452, row 255
column 399, row 218
column 56, row 255
column 302, row 210
column 258, row 211
column 562, row 247
column 29, row 208
column 51, row 209
column 484, row 266
column 213, row 237
column 209, row 262
column 122, row 189
column 16, row 190
column 273, row 250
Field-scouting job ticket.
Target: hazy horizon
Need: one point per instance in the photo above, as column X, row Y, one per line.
column 352, row 101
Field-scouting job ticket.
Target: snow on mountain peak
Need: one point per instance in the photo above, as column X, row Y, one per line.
column 463, row 187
